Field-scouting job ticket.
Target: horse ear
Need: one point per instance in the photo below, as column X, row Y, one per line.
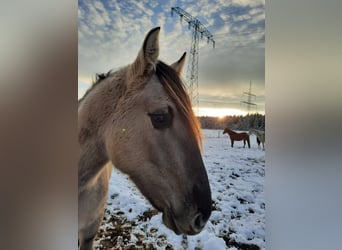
column 148, row 54
column 178, row 66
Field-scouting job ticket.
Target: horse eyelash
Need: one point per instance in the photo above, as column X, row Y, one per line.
column 169, row 111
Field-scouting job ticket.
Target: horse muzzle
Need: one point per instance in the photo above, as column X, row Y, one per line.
column 189, row 225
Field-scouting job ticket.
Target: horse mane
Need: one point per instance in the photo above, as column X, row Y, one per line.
column 98, row 78
column 175, row 87
column 229, row 130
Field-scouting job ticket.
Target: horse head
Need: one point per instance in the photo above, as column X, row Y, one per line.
column 226, row 131
column 155, row 138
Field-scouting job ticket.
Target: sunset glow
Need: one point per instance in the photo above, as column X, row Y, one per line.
column 219, row 112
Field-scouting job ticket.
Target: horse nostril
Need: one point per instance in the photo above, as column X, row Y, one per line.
column 198, row 223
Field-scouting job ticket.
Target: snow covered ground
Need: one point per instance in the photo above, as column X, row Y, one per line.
column 236, row 177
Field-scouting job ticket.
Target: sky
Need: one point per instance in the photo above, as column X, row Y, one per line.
column 110, row 34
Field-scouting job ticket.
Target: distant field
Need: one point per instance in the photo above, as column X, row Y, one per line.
column 236, row 177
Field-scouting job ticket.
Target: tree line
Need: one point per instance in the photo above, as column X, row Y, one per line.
column 246, row 122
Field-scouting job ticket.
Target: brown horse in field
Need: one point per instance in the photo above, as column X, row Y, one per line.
column 234, row 136
column 140, row 120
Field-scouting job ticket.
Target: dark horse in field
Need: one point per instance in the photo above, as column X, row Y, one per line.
column 140, row 120
column 234, row 136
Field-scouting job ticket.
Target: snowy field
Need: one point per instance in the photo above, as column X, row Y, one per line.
column 236, row 177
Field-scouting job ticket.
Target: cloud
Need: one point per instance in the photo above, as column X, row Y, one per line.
column 99, row 6
column 80, row 15
column 257, row 18
column 241, row 18
column 251, row 3
column 111, row 34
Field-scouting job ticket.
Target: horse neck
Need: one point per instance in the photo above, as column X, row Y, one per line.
column 259, row 133
column 231, row 132
column 93, row 113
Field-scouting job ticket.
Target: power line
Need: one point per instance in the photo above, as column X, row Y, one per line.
column 241, row 33
column 198, row 30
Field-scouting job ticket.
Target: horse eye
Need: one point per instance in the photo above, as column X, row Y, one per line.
column 161, row 120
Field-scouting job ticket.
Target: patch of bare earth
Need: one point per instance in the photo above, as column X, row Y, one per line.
column 116, row 231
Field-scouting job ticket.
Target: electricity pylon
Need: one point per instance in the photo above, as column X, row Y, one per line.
column 249, row 94
column 198, row 30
